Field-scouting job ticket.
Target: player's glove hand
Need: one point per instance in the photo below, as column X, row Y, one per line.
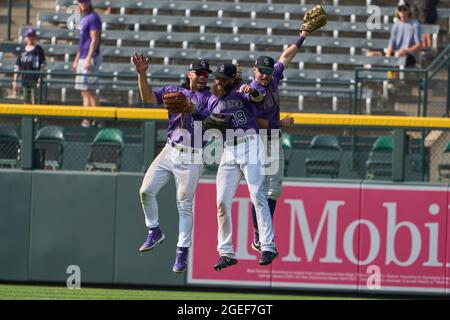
column 176, row 102
column 217, row 121
column 314, row 19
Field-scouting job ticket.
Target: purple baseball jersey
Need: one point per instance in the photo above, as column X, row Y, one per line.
column 269, row 108
column 239, row 106
column 185, row 121
column 89, row 22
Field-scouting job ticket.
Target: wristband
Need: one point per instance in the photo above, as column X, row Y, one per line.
column 299, row 41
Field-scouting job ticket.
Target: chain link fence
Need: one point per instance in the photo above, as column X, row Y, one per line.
column 10, row 143
column 324, row 152
column 91, row 145
column 354, row 153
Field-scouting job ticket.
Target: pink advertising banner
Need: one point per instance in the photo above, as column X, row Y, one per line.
column 336, row 236
column 447, row 269
column 403, row 236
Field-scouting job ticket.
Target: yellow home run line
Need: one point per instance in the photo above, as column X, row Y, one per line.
column 161, row 114
column 57, row 111
column 367, row 120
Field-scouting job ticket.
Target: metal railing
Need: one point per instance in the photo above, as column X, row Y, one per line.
column 9, row 15
column 318, row 146
column 125, row 83
column 422, row 82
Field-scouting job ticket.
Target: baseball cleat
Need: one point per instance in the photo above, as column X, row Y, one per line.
column 154, row 237
column 181, row 260
column 224, row 262
column 267, row 257
column 256, row 246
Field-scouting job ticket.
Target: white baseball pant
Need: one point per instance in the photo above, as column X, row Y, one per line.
column 275, row 159
column 235, row 161
column 186, row 171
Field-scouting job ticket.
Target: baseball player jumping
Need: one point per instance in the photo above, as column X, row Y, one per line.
column 180, row 157
column 267, row 77
column 242, row 155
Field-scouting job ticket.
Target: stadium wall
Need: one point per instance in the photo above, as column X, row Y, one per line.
column 331, row 236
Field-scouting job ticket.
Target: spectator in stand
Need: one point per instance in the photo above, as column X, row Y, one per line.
column 426, row 12
column 406, row 36
column 88, row 59
column 31, row 59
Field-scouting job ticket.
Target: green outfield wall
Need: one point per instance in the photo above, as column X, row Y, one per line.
column 52, row 220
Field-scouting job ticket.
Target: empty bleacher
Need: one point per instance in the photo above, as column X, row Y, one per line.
column 172, row 33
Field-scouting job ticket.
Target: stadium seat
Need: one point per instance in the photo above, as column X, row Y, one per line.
column 242, row 6
column 9, row 146
column 323, row 156
column 50, row 140
column 379, row 164
column 444, row 165
column 214, row 22
column 106, row 151
column 286, row 143
column 143, row 38
column 240, row 55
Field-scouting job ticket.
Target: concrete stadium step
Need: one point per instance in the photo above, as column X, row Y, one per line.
column 434, row 109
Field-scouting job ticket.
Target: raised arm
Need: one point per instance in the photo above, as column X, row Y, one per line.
column 289, row 54
column 141, row 63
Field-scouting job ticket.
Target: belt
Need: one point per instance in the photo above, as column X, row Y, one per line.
column 182, row 148
column 236, row 141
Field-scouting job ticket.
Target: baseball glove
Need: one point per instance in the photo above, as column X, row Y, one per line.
column 176, row 102
column 217, row 121
column 314, row 19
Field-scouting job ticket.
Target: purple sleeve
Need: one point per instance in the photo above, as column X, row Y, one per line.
column 258, row 87
column 212, row 103
column 278, row 72
column 203, row 111
column 246, row 97
column 95, row 23
column 159, row 93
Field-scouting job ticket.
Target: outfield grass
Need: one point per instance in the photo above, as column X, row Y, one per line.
column 36, row 292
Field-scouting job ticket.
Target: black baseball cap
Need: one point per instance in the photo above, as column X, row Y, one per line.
column 30, row 32
column 265, row 62
column 226, row 71
column 199, row 64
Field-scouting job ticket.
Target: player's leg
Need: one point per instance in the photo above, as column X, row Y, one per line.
column 86, row 103
column 227, row 180
column 272, row 181
column 93, row 81
column 186, row 180
column 93, row 98
column 254, row 175
column 156, row 177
